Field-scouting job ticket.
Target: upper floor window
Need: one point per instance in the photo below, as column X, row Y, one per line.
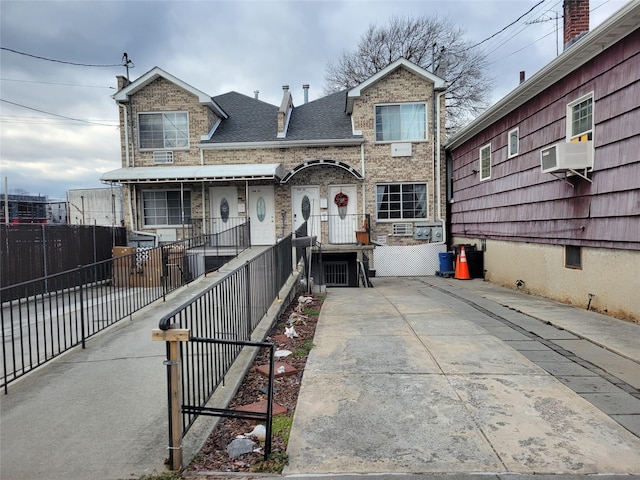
column 163, row 130
column 405, row 121
column 485, row 162
column 166, row 207
column 396, row 201
column 580, row 119
column 514, row 143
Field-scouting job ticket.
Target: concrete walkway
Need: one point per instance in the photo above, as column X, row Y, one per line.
column 99, row 413
column 417, row 375
column 440, row 376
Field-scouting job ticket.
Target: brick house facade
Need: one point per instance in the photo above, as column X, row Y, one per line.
column 189, row 159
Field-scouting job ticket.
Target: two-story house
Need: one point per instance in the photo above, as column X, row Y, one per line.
column 367, row 158
column 547, row 180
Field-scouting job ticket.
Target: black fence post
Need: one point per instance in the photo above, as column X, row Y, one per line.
column 247, row 272
column 165, row 272
column 81, row 288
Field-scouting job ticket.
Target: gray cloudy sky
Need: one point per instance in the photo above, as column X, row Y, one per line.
column 215, row 46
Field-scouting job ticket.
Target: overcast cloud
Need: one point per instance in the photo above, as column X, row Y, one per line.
column 214, row 46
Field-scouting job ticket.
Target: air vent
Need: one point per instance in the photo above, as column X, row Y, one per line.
column 162, row 157
column 403, row 229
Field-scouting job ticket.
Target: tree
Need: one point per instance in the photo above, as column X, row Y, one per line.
column 435, row 44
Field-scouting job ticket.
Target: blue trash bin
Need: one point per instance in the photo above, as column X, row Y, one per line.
column 446, row 261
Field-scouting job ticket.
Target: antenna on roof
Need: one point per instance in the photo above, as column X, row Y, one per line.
column 127, row 63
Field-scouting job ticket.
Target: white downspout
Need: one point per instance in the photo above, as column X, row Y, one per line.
column 438, row 167
column 364, row 182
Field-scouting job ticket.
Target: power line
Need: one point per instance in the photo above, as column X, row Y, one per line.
column 56, row 115
column 504, row 28
column 54, row 83
column 63, row 61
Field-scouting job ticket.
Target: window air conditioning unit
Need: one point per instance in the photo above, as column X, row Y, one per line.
column 161, row 158
column 567, row 156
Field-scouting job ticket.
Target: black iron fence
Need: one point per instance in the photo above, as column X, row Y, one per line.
column 215, row 325
column 45, row 317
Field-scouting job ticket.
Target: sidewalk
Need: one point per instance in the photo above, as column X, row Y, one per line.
column 439, row 376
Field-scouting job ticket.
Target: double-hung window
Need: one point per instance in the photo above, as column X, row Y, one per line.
column 163, row 130
column 401, row 122
column 166, row 207
column 580, row 119
column 401, row 201
column 485, row 162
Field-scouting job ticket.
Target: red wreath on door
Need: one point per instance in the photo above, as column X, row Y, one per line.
column 341, row 200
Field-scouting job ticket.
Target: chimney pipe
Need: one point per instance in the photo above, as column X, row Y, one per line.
column 256, row 93
column 521, row 76
column 285, row 88
column 576, row 20
column 305, row 87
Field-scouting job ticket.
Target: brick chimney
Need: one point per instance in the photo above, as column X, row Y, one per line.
column 122, row 82
column 576, row 20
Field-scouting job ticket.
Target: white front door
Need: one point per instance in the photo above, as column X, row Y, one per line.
column 305, row 205
column 224, row 208
column 343, row 220
column 262, row 212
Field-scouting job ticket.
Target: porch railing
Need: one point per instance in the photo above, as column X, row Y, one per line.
column 340, row 230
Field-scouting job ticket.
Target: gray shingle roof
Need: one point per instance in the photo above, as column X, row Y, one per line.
column 252, row 120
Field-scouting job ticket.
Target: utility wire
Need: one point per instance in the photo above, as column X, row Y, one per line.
column 53, row 83
column 503, row 29
column 56, row 115
column 61, row 61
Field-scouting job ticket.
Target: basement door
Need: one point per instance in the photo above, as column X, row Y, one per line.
column 224, row 208
column 343, row 220
column 305, row 205
column 262, row 214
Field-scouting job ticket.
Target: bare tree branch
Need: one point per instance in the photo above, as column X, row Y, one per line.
column 429, row 42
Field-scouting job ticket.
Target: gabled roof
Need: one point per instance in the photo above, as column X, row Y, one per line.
column 615, row 28
column 355, row 92
column 252, row 121
column 157, row 72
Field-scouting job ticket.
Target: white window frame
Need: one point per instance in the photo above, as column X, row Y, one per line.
column 383, row 105
column 578, row 137
column 401, row 218
column 165, row 145
column 480, row 165
column 515, row 132
column 181, row 193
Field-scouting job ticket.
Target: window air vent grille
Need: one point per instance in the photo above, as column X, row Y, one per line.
column 403, row 229
column 161, row 157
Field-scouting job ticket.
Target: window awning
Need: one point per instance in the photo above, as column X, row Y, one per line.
column 199, row 173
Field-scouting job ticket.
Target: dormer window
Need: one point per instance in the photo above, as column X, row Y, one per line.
column 163, row 130
column 401, row 122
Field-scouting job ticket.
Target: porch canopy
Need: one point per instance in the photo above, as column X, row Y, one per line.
column 195, row 173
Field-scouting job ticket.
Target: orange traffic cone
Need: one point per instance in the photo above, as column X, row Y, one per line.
column 462, row 267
